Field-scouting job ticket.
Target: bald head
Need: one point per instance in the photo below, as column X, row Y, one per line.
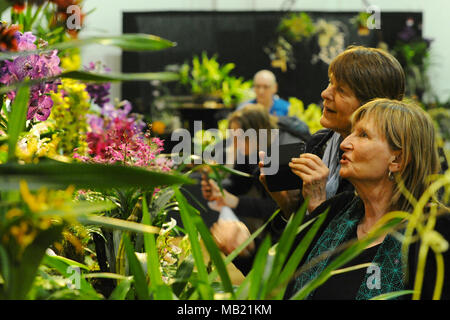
column 265, row 75
column 265, row 86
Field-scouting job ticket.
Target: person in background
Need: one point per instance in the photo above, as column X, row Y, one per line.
column 265, row 86
column 244, row 199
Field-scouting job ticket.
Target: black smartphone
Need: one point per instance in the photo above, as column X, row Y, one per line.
column 285, row 179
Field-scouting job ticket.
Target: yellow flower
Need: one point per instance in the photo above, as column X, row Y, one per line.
column 14, row 212
column 71, row 62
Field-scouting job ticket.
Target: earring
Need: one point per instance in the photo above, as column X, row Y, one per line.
column 390, row 175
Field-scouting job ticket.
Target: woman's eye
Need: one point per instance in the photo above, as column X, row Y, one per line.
column 363, row 134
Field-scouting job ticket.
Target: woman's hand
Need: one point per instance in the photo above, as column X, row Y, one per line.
column 229, row 235
column 314, row 173
column 211, row 192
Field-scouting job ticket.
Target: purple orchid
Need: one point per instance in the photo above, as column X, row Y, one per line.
column 26, row 41
column 98, row 92
column 33, row 67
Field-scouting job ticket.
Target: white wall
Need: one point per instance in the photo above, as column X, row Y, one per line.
column 107, row 20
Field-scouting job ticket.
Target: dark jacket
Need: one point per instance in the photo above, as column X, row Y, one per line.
column 336, row 206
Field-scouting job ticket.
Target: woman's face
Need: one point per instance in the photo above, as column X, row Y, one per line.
column 339, row 102
column 367, row 155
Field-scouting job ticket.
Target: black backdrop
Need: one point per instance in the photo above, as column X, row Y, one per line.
column 239, row 37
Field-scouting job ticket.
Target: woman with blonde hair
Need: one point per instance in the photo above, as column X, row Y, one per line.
column 391, row 146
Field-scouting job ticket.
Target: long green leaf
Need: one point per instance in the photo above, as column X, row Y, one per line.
column 88, row 76
column 214, row 254
column 298, row 254
column 391, row 295
column 85, row 176
column 127, row 42
column 24, row 271
column 284, row 246
column 157, row 285
column 112, row 77
column 17, row 119
column 258, row 268
column 140, row 283
column 203, row 285
column 117, row 224
column 182, row 275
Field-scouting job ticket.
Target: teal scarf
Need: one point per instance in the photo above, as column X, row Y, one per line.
column 342, row 228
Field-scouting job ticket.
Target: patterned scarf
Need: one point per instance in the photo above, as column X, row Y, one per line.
column 343, row 228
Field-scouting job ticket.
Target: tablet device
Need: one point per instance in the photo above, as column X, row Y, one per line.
column 285, row 179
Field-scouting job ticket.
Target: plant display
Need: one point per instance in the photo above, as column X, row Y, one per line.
column 206, row 78
column 299, row 27
column 311, row 116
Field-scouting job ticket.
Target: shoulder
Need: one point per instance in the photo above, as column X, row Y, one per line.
column 318, row 140
column 280, row 107
column 243, row 104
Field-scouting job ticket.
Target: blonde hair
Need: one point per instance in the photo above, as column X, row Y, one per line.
column 410, row 129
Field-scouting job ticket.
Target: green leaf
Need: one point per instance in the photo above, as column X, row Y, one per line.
column 111, row 77
column 127, row 42
column 88, row 76
column 140, row 283
column 62, row 265
column 157, row 285
column 76, row 208
column 214, row 254
column 122, row 289
column 182, row 275
column 17, row 119
column 23, row 272
column 117, row 224
column 284, row 246
column 57, row 174
column 186, row 217
column 4, row 268
column 298, row 254
column 4, row 5
column 257, row 273
column 391, row 295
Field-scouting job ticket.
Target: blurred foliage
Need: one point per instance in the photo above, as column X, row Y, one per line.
column 207, row 78
column 311, row 115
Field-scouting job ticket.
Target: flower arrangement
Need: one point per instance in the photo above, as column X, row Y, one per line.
column 116, row 136
column 33, row 67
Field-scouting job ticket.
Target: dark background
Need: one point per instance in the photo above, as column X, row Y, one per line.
column 240, row 37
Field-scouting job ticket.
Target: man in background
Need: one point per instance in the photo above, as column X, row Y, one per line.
column 265, row 86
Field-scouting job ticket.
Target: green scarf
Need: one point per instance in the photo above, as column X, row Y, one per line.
column 342, row 228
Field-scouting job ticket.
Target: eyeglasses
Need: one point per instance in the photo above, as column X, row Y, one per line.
column 262, row 86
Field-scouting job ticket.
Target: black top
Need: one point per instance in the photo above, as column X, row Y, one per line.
column 345, row 286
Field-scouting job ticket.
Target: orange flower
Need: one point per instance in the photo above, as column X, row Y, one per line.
column 158, row 127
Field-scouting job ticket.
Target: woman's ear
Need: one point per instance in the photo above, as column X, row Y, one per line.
column 396, row 163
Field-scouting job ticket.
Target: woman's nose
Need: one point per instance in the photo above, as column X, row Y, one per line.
column 347, row 143
column 327, row 94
